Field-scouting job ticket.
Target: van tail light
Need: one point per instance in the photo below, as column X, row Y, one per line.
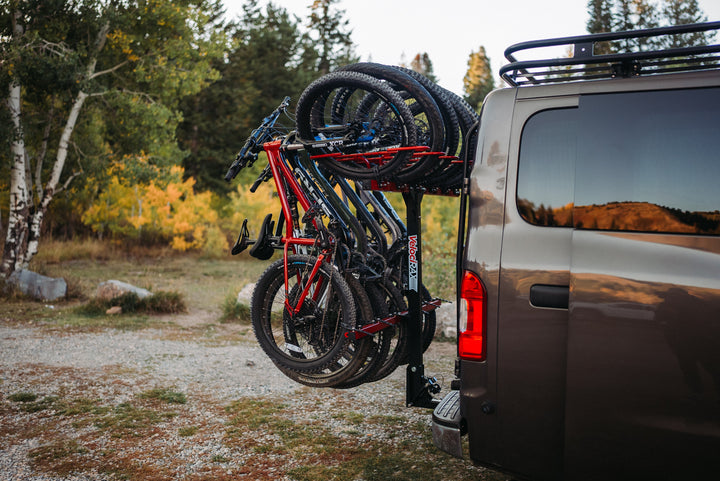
column 472, row 323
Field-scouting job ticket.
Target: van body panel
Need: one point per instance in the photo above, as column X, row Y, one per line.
column 487, row 203
column 532, row 340
column 643, row 379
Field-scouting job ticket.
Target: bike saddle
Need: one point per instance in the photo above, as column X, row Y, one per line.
column 262, row 249
column 243, row 240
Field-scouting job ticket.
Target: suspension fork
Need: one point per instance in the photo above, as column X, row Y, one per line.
column 306, row 289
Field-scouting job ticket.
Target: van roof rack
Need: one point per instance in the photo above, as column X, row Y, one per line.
column 587, row 64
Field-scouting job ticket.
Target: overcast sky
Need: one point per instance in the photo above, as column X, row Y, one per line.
column 390, row 31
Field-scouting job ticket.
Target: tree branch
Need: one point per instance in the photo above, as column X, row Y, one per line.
column 43, row 152
column 110, row 70
column 68, row 180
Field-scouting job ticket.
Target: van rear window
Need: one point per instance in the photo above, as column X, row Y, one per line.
column 546, row 171
column 642, row 161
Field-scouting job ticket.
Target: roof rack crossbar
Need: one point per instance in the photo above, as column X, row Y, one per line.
column 630, row 63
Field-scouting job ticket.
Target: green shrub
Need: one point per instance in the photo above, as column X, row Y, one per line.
column 161, row 302
column 234, row 311
column 164, row 302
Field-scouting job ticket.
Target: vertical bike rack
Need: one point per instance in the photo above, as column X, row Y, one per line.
column 418, row 388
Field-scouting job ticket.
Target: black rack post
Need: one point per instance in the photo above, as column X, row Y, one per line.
column 417, row 385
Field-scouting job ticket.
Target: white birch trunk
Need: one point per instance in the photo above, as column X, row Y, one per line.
column 52, row 183
column 16, row 236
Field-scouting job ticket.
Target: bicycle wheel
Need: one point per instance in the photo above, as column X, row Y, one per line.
column 452, row 176
column 347, row 367
column 369, row 119
column 452, row 129
column 379, row 343
column 386, row 294
column 429, row 123
column 303, row 328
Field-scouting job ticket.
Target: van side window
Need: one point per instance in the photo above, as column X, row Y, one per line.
column 649, row 162
column 546, row 168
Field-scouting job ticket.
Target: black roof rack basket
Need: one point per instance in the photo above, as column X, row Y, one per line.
column 586, row 63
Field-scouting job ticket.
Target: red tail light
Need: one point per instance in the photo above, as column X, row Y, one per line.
column 472, row 325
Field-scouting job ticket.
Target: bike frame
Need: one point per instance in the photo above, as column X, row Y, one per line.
column 284, row 179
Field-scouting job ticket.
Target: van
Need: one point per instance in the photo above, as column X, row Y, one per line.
column 589, row 307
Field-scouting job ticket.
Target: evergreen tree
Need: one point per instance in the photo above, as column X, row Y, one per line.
column 329, row 30
column 421, row 63
column 682, row 12
column 601, row 16
column 622, row 15
column 478, row 81
column 268, row 61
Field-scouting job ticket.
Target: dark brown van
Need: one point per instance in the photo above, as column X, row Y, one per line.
column 589, row 323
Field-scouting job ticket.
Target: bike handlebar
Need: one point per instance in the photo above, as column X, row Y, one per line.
column 249, row 152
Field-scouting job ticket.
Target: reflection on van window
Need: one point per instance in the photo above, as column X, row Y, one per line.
column 643, row 161
column 649, row 161
column 547, row 168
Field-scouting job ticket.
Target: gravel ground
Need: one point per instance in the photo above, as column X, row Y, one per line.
column 116, row 366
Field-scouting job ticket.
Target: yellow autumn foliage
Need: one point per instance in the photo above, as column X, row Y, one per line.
column 169, row 210
column 252, row 206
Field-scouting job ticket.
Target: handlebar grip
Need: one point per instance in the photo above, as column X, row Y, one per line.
column 264, row 175
column 242, row 160
column 232, row 172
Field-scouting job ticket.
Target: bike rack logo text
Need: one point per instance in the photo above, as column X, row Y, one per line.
column 413, row 263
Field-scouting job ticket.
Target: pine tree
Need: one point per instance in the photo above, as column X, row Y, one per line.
column 620, row 15
column 600, row 21
column 478, row 81
column 601, row 16
column 682, row 12
column 330, row 32
column 421, row 63
column 266, row 63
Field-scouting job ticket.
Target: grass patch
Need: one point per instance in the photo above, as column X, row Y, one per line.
column 127, row 419
column 234, row 311
column 188, row 431
column 253, row 413
column 29, row 402
column 63, row 456
column 23, row 397
column 80, row 406
column 84, row 322
column 10, row 292
column 203, row 282
column 53, row 251
column 166, row 395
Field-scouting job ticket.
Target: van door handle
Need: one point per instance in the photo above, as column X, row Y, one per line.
column 556, row 297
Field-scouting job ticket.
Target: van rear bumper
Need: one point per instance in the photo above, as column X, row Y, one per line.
column 448, row 426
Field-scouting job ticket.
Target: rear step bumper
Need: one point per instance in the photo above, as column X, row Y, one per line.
column 448, row 425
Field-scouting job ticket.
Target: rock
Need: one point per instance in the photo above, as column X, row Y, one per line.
column 38, row 286
column 446, row 318
column 114, row 310
column 111, row 289
column 245, row 294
